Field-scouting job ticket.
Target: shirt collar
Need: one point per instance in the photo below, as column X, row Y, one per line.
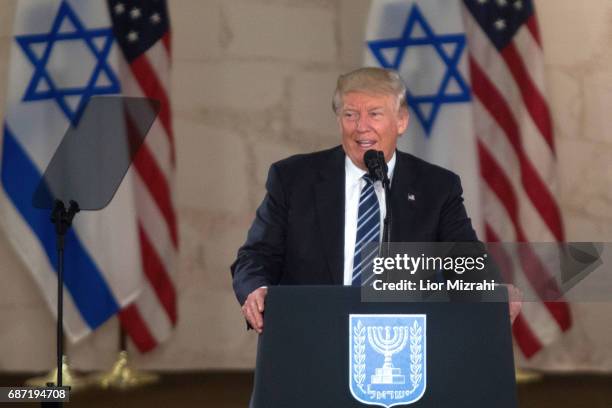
column 354, row 173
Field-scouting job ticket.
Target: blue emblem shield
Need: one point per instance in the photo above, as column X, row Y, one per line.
column 387, row 358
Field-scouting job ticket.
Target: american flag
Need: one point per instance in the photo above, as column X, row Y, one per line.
column 516, row 148
column 142, row 30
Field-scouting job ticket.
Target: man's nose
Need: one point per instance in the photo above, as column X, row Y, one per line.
column 362, row 123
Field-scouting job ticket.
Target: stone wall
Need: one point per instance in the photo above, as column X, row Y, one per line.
column 252, row 83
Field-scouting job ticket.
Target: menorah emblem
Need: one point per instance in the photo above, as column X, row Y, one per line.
column 402, row 337
column 388, row 345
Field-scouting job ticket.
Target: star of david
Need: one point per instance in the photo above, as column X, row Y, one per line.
column 45, row 83
column 449, row 48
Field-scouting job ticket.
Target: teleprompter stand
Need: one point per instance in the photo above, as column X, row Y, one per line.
column 62, row 218
column 86, row 171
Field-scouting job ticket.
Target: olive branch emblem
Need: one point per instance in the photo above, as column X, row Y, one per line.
column 359, row 355
column 416, row 356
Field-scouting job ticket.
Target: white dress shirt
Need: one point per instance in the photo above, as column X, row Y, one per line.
column 354, row 182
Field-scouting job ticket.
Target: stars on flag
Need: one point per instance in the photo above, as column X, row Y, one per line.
column 155, row 18
column 138, row 24
column 500, row 24
column 517, row 4
column 119, row 8
column 132, row 36
column 135, row 13
column 500, row 19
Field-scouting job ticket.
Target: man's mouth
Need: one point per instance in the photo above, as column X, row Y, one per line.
column 366, row 144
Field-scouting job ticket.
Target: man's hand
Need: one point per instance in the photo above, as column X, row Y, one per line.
column 515, row 302
column 253, row 308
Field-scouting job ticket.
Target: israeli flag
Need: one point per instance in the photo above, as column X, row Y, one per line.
column 425, row 41
column 387, row 358
column 63, row 53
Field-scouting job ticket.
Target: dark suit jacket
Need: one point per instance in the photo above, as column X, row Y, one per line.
column 297, row 237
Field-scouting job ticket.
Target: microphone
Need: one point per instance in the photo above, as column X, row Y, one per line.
column 377, row 169
column 376, row 165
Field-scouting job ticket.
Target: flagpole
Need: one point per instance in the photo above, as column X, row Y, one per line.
column 122, row 338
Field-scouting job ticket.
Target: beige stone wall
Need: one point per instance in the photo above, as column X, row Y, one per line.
column 577, row 37
column 252, row 82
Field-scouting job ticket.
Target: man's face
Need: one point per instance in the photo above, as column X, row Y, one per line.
column 370, row 121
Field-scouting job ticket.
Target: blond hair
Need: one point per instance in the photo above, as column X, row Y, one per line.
column 370, row 80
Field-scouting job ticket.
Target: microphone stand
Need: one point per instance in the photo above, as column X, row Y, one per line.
column 388, row 216
column 377, row 168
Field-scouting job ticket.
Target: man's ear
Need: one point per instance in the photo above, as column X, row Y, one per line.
column 404, row 119
column 339, row 122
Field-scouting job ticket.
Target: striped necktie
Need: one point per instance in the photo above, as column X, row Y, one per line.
column 368, row 230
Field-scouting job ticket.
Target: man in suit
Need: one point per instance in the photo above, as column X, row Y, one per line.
column 309, row 226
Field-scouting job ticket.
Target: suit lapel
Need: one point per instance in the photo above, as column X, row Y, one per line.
column 329, row 204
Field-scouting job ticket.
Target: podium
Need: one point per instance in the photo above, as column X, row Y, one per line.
column 321, row 348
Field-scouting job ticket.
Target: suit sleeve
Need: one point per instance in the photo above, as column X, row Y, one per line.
column 456, row 226
column 260, row 260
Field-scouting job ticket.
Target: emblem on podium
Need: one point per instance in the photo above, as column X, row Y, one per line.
column 387, row 358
